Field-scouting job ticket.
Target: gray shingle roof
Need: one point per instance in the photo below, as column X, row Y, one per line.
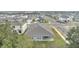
column 38, row 30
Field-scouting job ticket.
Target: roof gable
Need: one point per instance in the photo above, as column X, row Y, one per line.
column 38, row 30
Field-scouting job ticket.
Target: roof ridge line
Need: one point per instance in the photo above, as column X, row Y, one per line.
column 44, row 28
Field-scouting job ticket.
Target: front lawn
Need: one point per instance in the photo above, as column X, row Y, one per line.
column 58, row 41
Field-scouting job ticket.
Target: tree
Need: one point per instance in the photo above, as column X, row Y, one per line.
column 9, row 39
column 73, row 37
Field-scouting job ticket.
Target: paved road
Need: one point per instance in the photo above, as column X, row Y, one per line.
column 59, row 29
column 59, row 26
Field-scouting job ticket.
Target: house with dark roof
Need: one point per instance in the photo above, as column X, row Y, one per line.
column 39, row 32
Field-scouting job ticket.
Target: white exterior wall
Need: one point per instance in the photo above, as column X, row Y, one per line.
column 17, row 28
column 24, row 27
column 70, row 18
column 37, row 19
column 29, row 21
column 62, row 19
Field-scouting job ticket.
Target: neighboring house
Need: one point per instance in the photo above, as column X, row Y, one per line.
column 71, row 18
column 39, row 32
column 20, row 28
column 39, row 18
column 65, row 18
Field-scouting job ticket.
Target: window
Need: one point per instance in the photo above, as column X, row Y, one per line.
column 45, row 37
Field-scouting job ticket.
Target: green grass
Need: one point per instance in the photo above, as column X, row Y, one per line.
column 26, row 42
column 42, row 44
column 58, row 41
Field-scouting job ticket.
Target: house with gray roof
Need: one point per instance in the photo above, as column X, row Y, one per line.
column 39, row 32
column 65, row 18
